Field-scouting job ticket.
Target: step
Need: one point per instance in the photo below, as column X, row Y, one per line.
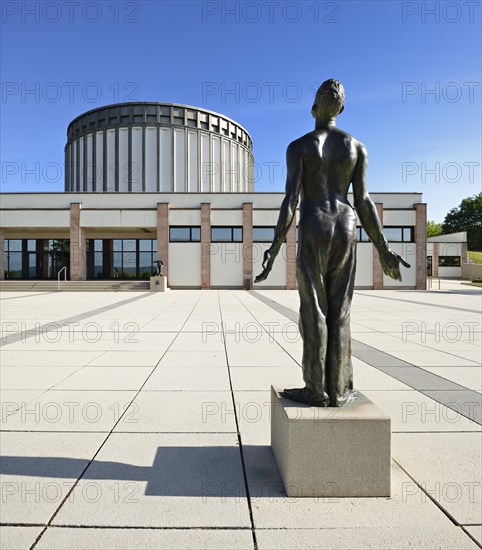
column 73, row 286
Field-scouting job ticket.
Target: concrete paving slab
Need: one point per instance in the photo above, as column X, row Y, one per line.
column 373, row 538
column 38, row 469
column 448, row 466
column 35, row 377
column 254, row 416
column 414, row 412
column 261, row 378
column 180, row 411
column 105, row 378
column 465, row 376
column 467, row 402
column 252, row 358
column 147, row 539
column 187, row 341
column 144, row 341
column 72, row 411
column 475, row 531
column 13, row 400
column 18, row 538
column 162, row 480
column 126, row 358
column 369, row 378
column 188, row 379
column 434, row 358
column 46, row 358
column 194, row 358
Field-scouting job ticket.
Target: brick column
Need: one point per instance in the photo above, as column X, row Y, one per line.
column 163, row 236
column 78, row 263
column 291, row 256
column 377, row 266
column 205, row 245
column 435, row 260
column 247, row 243
column 421, row 245
column 2, row 248
column 464, row 254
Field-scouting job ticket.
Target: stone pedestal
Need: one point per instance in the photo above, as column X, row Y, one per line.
column 159, row 284
column 331, row 452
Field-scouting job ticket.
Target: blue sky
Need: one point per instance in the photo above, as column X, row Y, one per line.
column 258, row 63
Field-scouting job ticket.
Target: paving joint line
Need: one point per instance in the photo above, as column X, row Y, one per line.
column 240, row 443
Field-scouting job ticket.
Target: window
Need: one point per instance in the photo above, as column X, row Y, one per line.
column 13, row 259
column 449, row 261
column 361, row 235
column 263, row 234
column 226, row 234
column 392, row 234
column 398, row 234
column 184, row 234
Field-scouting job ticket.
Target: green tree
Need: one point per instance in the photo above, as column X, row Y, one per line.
column 467, row 217
column 434, row 229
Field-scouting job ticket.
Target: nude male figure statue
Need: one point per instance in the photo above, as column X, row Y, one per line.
column 321, row 165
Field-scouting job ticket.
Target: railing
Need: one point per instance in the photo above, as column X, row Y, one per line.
column 64, row 269
column 430, row 279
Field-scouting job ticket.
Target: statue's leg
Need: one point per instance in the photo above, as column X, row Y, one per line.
column 312, row 321
column 339, row 369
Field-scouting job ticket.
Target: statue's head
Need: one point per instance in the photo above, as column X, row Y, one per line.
column 329, row 100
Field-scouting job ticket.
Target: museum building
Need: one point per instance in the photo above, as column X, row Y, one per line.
column 159, row 180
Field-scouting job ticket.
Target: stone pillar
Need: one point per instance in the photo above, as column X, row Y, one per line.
column 205, row 245
column 421, row 245
column 163, row 236
column 2, row 248
column 78, row 260
column 247, row 244
column 291, row 256
column 464, row 254
column 377, row 266
column 435, row 260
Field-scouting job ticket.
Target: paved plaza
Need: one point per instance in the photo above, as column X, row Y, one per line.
column 142, row 420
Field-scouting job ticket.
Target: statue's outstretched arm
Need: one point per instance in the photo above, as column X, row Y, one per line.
column 367, row 213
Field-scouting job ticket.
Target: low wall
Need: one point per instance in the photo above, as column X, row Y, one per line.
column 471, row 271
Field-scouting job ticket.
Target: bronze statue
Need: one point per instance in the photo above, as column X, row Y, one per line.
column 160, row 265
column 321, row 165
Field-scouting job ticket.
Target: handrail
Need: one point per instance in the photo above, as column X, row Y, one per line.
column 430, row 279
column 58, row 276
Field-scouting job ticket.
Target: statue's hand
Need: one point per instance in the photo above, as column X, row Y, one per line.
column 391, row 264
column 268, row 260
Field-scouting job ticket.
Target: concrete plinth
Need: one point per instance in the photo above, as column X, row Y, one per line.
column 159, row 284
column 337, row 452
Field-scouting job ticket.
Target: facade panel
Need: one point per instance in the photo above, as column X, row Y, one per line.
column 81, row 184
column 179, row 161
column 193, row 168
column 124, row 159
column 165, row 156
column 151, row 159
column 137, row 162
column 89, row 163
column 215, row 166
column 99, row 162
column 205, row 164
column 110, row 160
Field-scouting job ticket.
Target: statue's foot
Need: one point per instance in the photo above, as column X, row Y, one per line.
column 347, row 398
column 302, row 395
